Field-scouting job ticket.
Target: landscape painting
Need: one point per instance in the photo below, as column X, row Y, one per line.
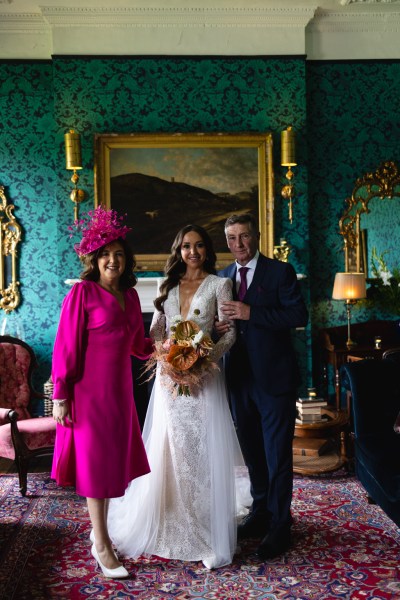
column 170, row 181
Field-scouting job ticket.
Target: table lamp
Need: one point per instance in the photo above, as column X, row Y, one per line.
column 349, row 287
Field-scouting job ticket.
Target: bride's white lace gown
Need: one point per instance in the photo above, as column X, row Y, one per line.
column 186, row 507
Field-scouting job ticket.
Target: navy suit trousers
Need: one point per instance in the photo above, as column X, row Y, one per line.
column 265, row 427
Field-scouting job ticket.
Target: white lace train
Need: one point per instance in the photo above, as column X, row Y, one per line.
column 187, row 507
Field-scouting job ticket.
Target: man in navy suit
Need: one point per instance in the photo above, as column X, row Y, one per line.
column 262, row 377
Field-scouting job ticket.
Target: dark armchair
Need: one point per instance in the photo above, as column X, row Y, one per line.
column 375, row 391
column 22, row 436
column 393, row 354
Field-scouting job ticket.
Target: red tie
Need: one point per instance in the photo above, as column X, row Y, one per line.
column 243, row 283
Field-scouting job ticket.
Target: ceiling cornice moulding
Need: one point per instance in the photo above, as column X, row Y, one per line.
column 361, row 32
column 347, row 2
column 178, row 17
column 22, row 21
column 354, row 22
column 321, row 30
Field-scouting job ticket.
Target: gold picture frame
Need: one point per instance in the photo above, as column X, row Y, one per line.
column 165, row 181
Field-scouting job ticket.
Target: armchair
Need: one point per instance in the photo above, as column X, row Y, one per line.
column 22, row 436
column 392, row 354
column 375, row 389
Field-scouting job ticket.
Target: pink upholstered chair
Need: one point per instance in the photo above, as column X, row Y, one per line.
column 22, row 436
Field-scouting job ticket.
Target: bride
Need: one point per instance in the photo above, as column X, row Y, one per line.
column 186, row 508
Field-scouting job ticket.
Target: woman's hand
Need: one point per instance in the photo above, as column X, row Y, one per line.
column 221, row 327
column 60, row 411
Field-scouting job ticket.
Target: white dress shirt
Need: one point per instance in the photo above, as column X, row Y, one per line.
column 251, row 265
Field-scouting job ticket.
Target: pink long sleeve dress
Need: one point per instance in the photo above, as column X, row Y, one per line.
column 100, row 451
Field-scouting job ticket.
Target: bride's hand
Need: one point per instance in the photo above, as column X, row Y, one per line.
column 221, row 327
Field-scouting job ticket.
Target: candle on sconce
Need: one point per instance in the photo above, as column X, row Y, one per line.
column 378, row 342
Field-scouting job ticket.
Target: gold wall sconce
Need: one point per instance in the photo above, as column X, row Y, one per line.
column 288, row 159
column 349, row 287
column 73, row 162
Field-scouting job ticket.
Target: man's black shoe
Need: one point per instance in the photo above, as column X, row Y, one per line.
column 254, row 525
column 274, row 544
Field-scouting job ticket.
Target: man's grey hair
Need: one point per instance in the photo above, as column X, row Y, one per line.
column 243, row 218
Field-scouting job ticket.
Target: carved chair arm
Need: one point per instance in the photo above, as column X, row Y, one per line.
column 6, row 415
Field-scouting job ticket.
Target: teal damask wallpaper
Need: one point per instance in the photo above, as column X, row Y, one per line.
column 27, row 161
column 345, row 115
column 353, row 122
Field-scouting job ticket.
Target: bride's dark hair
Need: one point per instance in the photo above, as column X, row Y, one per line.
column 175, row 268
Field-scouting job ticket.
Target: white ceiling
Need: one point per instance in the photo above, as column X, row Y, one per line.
column 319, row 29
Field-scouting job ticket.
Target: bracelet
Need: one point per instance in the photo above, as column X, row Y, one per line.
column 59, row 402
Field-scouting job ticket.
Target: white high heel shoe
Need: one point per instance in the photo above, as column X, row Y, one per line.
column 214, row 563
column 210, row 563
column 117, row 573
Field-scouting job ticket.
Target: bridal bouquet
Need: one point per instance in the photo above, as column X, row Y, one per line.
column 184, row 357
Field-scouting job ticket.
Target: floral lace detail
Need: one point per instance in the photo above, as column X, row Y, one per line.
column 205, row 305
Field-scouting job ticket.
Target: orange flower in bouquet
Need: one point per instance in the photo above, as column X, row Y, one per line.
column 184, row 357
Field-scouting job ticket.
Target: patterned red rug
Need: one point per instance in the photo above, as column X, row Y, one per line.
column 342, row 548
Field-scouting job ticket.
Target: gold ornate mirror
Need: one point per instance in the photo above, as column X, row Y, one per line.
column 371, row 220
column 10, row 236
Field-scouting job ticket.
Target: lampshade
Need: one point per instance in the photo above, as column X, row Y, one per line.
column 288, row 148
column 349, row 286
column 73, row 158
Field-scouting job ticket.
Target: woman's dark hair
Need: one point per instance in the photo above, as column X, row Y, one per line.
column 91, row 269
column 175, row 268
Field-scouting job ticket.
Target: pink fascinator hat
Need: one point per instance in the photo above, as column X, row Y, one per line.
column 99, row 227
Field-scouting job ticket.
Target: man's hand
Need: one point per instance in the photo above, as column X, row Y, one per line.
column 236, row 310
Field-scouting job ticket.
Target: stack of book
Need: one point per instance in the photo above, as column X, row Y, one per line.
column 311, row 410
column 311, row 446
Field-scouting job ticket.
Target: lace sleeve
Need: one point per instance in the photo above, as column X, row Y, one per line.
column 224, row 293
column 157, row 327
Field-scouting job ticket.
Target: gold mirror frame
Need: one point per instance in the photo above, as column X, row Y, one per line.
column 10, row 236
column 382, row 184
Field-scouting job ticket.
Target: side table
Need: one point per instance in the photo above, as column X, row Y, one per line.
column 334, row 351
column 335, row 430
column 338, row 356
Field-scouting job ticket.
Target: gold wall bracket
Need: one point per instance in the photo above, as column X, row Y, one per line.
column 77, row 195
column 287, row 193
column 73, row 162
column 288, row 159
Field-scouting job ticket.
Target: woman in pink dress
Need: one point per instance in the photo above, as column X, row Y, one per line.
column 99, row 447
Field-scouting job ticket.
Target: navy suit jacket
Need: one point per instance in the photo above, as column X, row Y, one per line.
column 263, row 351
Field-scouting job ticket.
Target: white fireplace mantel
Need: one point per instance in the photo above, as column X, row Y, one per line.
column 146, row 287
